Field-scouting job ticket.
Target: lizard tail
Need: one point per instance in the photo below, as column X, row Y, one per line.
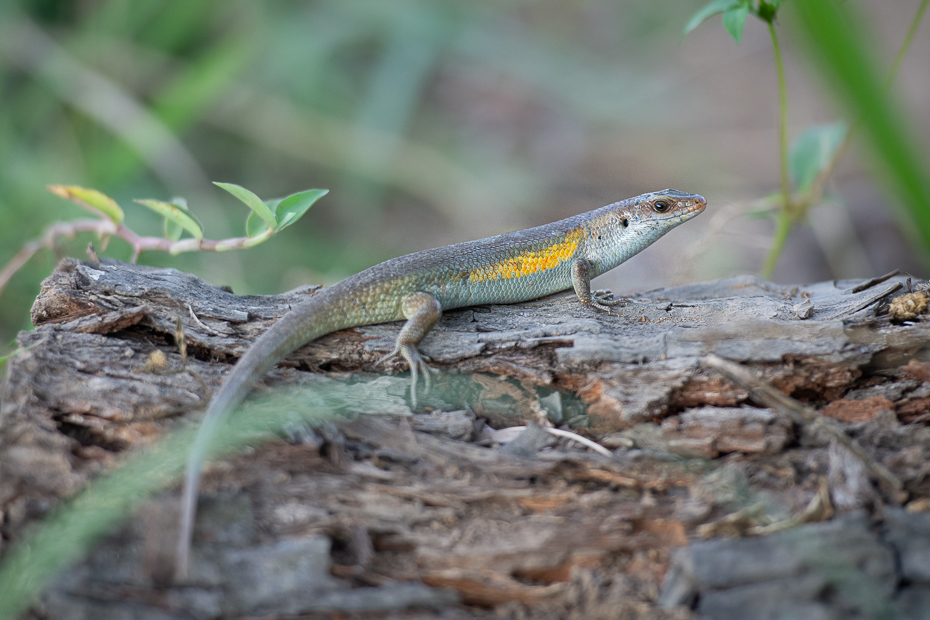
column 315, row 317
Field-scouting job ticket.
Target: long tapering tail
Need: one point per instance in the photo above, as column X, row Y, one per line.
column 310, row 320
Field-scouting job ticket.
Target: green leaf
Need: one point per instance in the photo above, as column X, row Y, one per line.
column 251, row 201
column 766, row 207
column 734, row 18
column 92, row 200
column 173, row 230
column 174, row 214
column 4, row 359
column 287, row 210
column 294, row 206
column 254, row 225
column 708, row 10
column 813, row 151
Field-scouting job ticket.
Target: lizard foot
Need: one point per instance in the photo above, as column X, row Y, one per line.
column 606, row 298
column 603, row 301
column 417, row 362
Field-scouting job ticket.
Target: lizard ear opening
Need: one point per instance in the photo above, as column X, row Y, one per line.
column 623, row 219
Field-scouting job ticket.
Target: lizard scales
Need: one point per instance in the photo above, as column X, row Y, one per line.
column 508, row 268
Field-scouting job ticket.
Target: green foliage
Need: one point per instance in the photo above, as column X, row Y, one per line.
column 734, row 18
column 274, row 215
column 735, row 13
column 768, row 10
column 176, row 218
column 838, row 42
column 813, row 152
column 286, row 211
column 842, row 51
column 92, row 200
column 715, row 7
column 173, row 230
column 292, row 208
column 5, row 358
column 253, row 202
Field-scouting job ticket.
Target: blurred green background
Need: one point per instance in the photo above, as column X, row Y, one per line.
column 431, row 122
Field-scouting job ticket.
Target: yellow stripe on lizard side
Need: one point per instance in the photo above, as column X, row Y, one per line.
column 530, row 262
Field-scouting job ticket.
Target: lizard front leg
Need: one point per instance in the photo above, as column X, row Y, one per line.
column 581, row 281
column 422, row 311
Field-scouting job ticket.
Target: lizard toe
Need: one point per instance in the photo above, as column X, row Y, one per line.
column 606, row 298
column 418, row 365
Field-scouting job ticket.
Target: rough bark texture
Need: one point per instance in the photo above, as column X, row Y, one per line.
column 425, row 516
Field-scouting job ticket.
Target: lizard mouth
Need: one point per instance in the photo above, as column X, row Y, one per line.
column 691, row 207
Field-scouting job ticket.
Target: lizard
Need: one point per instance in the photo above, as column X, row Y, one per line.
column 508, row 268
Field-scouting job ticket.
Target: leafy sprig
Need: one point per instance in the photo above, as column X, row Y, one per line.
column 266, row 219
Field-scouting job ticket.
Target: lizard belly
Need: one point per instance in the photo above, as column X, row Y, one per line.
column 513, row 273
column 467, row 290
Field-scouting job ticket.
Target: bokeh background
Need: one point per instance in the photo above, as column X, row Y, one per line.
column 431, row 122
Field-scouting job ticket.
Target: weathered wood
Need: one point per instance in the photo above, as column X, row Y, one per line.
column 102, row 374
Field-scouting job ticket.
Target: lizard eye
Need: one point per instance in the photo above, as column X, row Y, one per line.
column 661, row 206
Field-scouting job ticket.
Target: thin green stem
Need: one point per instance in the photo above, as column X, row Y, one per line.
column 786, row 215
column 782, row 228
column 908, row 38
column 782, row 120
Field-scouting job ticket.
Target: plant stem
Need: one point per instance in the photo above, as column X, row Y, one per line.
column 105, row 228
column 908, row 38
column 782, row 119
column 786, row 215
column 782, row 228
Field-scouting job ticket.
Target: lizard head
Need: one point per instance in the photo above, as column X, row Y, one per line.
column 630, row 225
column 666, row 209
column 649, row 216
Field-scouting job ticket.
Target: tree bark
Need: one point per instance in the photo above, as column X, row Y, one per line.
column 102, row 374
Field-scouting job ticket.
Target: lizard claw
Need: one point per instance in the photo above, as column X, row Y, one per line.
column 606, row 298
column 603, row 300
column 417, row 362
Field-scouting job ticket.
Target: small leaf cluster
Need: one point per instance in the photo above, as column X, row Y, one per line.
column 274, row 215
column 735, row 13
column 266, row 218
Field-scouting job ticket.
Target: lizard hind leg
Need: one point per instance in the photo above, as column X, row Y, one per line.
column 422, row 311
